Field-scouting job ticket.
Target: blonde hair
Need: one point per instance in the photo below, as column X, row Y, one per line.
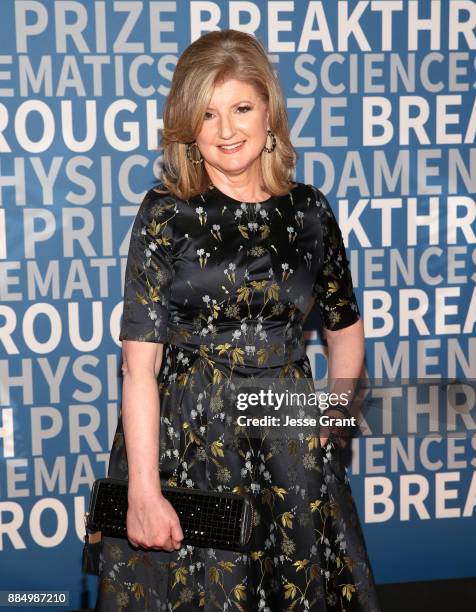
column 212, row 58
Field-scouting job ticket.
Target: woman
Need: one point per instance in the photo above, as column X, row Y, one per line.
column 224, row 259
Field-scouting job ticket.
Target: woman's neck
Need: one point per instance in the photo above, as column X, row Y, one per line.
column 245, row 187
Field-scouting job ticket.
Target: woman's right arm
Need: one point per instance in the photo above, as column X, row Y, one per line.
column 151, row 520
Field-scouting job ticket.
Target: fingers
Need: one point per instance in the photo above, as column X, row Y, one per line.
column 166, row 545
column 176, row 535
column 339, row 434
column 343, row 442
column 162, row 544
column 170, row 542
column 336, row 438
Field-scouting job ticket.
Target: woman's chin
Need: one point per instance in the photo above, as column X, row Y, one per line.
column 234, row 165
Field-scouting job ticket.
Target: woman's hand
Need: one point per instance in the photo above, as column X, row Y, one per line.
column 340, row 433
column 152, row 522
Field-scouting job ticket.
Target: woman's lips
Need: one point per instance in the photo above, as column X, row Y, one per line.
column 232, row 150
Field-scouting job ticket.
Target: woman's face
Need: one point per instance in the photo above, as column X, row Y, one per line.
column 236, row 115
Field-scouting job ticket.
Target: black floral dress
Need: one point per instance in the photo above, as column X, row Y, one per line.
column 224, row 285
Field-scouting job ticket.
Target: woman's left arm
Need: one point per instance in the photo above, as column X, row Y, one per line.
column 346, row 349
column 345, row 358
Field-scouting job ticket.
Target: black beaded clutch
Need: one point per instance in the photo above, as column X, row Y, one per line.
column 209, row 519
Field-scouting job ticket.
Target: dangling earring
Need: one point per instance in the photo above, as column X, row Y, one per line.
column 270, row 149
column 190, row 154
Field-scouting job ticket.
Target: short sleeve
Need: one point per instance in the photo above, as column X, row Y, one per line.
column 149, row 271
column 333, row 287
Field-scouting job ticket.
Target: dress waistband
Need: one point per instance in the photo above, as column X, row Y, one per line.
column 257, row 344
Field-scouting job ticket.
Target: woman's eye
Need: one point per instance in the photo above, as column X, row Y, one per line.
column 242, row 109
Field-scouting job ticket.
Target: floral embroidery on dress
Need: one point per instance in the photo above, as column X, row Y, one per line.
column 225, row 285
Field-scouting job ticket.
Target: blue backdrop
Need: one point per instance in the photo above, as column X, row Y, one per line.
column 382, row 111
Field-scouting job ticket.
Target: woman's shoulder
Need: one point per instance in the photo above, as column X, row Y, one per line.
column 158, row 204
column 158, row 191
column 311, row 197
column 306, row 190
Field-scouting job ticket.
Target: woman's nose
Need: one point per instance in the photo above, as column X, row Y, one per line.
column 226, row 127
